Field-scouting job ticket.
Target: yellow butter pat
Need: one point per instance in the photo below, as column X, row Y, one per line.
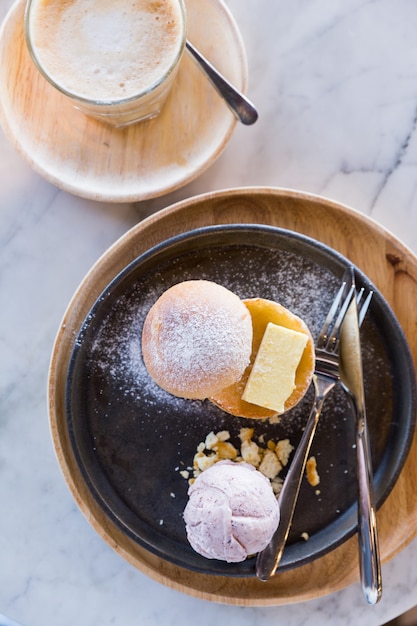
column 272, row 379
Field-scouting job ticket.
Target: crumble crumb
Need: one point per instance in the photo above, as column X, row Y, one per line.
column 311, row 471
column 270, row 466
column 269, row 458
column 274, row 419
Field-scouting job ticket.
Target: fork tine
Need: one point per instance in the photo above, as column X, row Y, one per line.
column 330, row 316
column 349, row 276
column 363, row 307
column 328, row 338
column 333, row 338
column 359, row 296
column 362, row 310
column 347, row 279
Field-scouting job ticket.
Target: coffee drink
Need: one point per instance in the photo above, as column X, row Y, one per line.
column 107, row 52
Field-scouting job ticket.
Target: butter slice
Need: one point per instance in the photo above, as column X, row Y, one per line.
column 272, row 379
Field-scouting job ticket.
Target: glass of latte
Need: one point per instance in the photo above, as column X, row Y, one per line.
column 115, row 60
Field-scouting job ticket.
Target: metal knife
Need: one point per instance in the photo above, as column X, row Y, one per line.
column 351, row 375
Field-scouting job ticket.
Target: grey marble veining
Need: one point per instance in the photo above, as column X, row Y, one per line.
column 336, row 87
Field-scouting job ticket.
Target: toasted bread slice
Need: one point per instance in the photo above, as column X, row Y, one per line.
column 262, row 312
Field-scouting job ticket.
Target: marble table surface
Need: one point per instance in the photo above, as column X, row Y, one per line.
column 335, row 83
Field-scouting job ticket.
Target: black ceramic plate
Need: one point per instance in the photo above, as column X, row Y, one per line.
column 130, row 438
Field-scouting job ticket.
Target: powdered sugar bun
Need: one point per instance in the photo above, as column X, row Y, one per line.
column 263, row 311
column 197, row 339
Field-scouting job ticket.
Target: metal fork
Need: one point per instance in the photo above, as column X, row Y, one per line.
column 325, row 378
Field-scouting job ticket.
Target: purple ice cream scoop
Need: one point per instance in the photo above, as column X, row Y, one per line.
column 232, row 512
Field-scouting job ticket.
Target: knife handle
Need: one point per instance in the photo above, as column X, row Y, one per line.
column 269, row 558
column 369, row 557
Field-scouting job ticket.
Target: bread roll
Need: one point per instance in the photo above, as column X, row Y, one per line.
column 197, row 339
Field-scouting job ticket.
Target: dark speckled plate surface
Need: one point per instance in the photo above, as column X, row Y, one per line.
column 131, row 439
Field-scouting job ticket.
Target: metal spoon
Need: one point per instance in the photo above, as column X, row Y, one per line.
column 241, row 107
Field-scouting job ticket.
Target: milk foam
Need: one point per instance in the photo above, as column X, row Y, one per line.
column 106, row 49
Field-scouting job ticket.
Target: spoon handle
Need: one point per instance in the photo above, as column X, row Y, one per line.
column 241, row 107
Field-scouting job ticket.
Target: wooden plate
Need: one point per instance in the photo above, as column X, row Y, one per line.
column 90, row 159
column 384, row 260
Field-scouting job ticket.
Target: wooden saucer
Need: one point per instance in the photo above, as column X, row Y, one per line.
column 92, row 160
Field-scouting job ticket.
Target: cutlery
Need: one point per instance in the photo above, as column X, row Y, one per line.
column 325, row 378
column 241, row 107
column 351, row 376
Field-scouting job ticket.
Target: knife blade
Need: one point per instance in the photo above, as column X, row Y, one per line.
column 351, row 375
